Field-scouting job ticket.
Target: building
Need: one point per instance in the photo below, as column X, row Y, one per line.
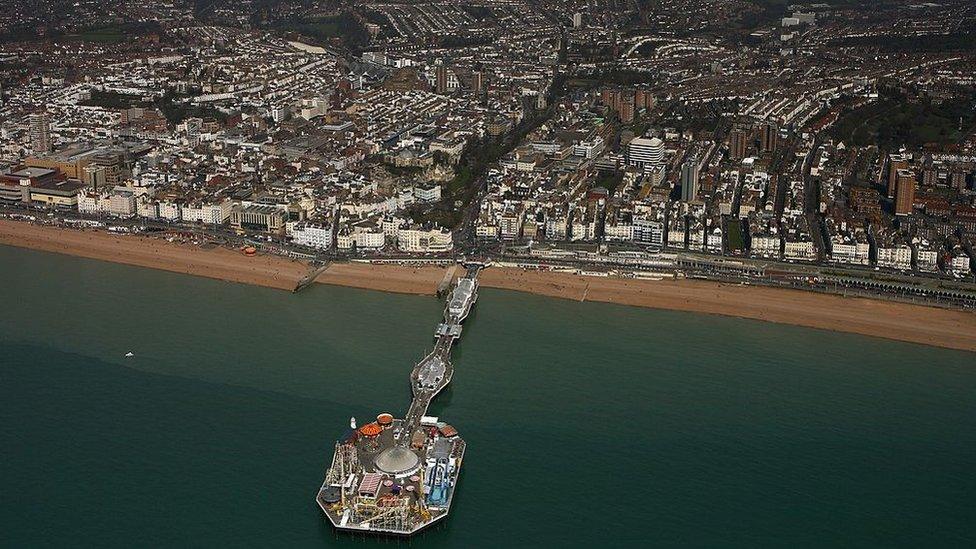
column 427, row 192
column 443, row 77
column 258, row 217
column 738, row 143
column 477, row 82
column 170, row 210
column 313, row 235
column 895, row 257
column 118, row 203
column 577, row 20
column 415, row 239
column 626, row 110
column 15, row 186
column 689, row 180
column 589, row 149
column 896, row 162
column 769, row 136
column 112, row 164
column 510, row 223
column 645, row 153
column 94, row 176
column 648, row 232
column 40, row 133
column 366, row 235
column 214, row 213
column 905, row 192
column 41, row 187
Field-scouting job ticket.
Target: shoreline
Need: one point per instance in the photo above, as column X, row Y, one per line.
column 919, row 324
column 156, row 253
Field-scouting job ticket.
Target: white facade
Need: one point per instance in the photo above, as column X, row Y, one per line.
column 170, row 211
column 589, row 149
column 510, row 225
column 113, row 203
column 88, row 203
column 854, row 253
column 122, row 203
column 648, row 232
column 960, row 264
column 800, row 250
column 372, row 238
column 424, row 241
column 765, row 246
column 313, row 235
column 619, row 232
column 427, row 193
column 676, row 234
column 556, row 228
column 645, row 153
column 147, row 208
column 928, row 260
column 207, row 213
column 714, row 242
column 897, row 257
column 486, row 231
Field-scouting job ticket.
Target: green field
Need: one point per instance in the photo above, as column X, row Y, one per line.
column 895, row 121
column 112, row 100
column 343, row 26
column 101, row 35
column 735, row 238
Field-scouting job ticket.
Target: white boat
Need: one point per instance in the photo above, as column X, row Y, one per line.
column 130, row 354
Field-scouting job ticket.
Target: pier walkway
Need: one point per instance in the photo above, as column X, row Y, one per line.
column 434, row 372
column 310, row 277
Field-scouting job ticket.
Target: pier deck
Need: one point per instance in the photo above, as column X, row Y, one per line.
column 398, row 476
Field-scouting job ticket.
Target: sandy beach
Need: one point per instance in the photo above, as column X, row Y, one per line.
column 898, row 321
column 890, row 320
column 156, row 253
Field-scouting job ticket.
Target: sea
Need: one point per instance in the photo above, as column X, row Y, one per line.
column 587, row 424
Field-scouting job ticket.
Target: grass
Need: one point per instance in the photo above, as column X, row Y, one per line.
column 112, row 100
column 895, row 121
column 343, row 27
column 104, row 35
column 736, row 239
column 610, row 180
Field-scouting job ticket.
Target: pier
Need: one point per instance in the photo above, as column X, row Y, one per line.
column 398, row 476
column 310, row 277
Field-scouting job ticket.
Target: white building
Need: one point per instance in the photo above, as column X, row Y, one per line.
column 799, row 250
column 419, row 240
column 556, row 227
column 928, row 260
column 364, row 237
column 645, row 153
column 486, row 231
column 147, row 208
column 213, row 213
column 896, row 257
column 619, row 232
column 589, row 149
column 170, row 211
column 959, row 264
column 313, row 235
column 120, row 203
column 855, row 253
column 713, row 242
column 428, row 192
column 648, row 232
column 765, row 246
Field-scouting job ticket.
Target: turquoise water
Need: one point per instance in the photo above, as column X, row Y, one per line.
column 587, row 424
